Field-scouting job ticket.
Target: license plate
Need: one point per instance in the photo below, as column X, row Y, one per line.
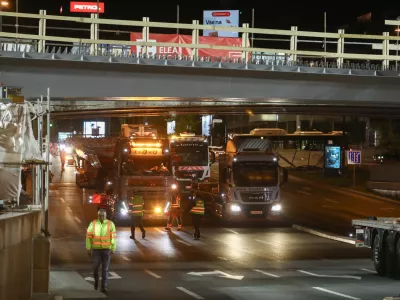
column 256, row 212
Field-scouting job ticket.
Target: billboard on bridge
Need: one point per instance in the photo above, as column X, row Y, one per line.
column 187, row 39
column 228, row 18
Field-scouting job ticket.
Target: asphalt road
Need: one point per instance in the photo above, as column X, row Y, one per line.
column 227, row 263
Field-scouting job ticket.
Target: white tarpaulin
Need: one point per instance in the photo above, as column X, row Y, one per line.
column 17, row 144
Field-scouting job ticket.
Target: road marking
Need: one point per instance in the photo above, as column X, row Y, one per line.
column 159, row 230
column 330, row 276
column 62, row 200
column 69, row 209
column 265, row 273
column 183, row 242
column 305, row 193
column 325, row 235
column 78, row 220
column 125, row 258
column 113, row 276
column 230, row 230
column 271, row 244
column 336, row 293
column 330, row 200
column 218, row 273
column 222, row 258
column 189, row 292
column 152, row 274
column 307, row 188
column 388, row 209
column 368, row 270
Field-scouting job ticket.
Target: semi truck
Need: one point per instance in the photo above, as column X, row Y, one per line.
column 249, row 182
column 142, row 166
column 95, row 158
column 382, row 236
column 191, row 159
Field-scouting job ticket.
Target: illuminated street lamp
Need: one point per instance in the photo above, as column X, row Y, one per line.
column 2, row 4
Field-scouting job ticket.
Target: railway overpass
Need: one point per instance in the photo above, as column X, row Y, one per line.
column 124, row 82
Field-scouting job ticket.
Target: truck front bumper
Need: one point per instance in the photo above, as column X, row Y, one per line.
column 254, row 213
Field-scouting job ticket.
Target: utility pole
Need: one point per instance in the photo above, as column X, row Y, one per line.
column 177, row 18
column 325, row 36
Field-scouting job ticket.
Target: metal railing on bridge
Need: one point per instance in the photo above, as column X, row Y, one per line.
column 92, row 45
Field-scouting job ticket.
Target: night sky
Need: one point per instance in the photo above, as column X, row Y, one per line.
column 308, row 15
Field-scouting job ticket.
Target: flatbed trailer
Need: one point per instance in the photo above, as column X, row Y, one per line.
column 382, row 235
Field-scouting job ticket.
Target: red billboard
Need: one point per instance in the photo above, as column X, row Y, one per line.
column 187, row 39
column 86, row 7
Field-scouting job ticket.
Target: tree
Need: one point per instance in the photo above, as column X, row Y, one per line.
column 187, row 123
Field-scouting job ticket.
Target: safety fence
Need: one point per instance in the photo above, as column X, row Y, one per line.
column 80, row 36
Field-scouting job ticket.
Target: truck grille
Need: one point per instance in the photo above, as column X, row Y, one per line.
column 188, row 174
column 256, row 197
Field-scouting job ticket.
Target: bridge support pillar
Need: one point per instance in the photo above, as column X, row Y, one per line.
column 42, row 32
column 385, row 52
column 293, row 45
column 298, row 123
column 340, row 49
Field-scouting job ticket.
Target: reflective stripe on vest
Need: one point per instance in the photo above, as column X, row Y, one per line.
column 198, row 209
column 136, row 208
column 102, row 242
column 177, row 204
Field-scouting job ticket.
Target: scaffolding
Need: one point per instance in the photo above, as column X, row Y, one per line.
column 20, row 150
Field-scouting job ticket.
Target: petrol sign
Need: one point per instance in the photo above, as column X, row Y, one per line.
column 87, row 7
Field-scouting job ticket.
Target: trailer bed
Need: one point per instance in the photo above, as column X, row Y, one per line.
column 380, row 223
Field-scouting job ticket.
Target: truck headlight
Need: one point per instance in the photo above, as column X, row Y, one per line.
column 157, row 210
column 235, row 208
column 124, row 212
column 174, row 186
column 276, row 207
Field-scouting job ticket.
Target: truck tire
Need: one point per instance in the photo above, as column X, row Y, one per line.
column 378, row 256
column 390, row 256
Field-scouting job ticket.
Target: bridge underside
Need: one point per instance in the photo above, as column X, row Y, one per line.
column 114, row 88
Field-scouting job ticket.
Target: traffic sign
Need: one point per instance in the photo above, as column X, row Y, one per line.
column 354, row 157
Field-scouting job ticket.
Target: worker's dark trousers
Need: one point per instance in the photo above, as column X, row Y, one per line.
column 175, row 213
column 136, row 221
column 196, row 221
column 101, row 257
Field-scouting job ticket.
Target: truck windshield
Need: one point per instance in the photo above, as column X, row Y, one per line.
column 255, row 174
column 146, row 167
column 192, row 156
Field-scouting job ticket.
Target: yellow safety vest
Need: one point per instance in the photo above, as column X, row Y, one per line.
column 101, row 235
column 136, row 207
column 198, row 209
column 177, row 203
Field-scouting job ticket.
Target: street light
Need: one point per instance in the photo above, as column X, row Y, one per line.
column 2, row 4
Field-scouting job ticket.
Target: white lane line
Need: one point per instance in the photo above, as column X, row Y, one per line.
column 125, row 258
column 222, row 258
column 330, row 276
column 159, row 230
column 305, row 193
column 368, row 270
column 183, row 242
column 264, row 242
column 388, row 209
column 230, row 230
column 78, row 220
column 330, row 200
column 152, row 274
column 62, row 200
column 325, row 235
column 265, row 273
column 69, row 209
column 335, row 293
column 189, row 293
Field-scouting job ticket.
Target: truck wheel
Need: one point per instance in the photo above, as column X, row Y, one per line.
column 378, row 256
column 390, row 257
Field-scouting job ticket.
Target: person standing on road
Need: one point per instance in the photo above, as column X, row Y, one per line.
column 101, row 242
column 136, row 208
column 63, row 157
column 196, row 209
column 174, row 213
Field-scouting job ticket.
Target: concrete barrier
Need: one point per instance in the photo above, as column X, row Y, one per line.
column 385, row 180
column 17, row 231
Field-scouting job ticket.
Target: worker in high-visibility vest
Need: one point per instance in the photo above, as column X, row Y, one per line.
column 196, row 209
column 101, row 242
column 174, row 212
column 136, row 209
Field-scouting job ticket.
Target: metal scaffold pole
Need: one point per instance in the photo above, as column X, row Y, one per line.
column 46, row 200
